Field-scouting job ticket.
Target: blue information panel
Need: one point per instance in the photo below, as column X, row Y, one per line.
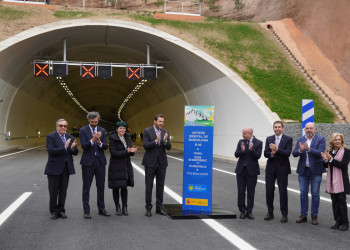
column 198, row 160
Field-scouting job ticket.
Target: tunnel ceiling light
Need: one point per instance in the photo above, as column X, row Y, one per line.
column 138, row 86
column 70, row 93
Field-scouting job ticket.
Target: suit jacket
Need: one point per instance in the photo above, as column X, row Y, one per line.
column 250, row 158
column 153, row 150
column 317, row 146
column 85, row 135
column 280, row 161
column 58, row 155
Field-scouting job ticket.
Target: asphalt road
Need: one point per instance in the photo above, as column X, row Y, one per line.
column 30, row 226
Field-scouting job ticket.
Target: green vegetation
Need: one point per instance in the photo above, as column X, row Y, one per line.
column 72, row 14
column 239, row 4
column 7, row 14
column 247, row 50
column 212, row 6
column 159, row 3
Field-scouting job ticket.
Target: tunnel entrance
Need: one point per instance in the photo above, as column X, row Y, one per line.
column 189, row 77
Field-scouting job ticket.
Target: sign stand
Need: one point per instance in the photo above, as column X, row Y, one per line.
column 198, row 168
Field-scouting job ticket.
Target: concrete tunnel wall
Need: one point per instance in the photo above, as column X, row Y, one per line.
column 203, row 81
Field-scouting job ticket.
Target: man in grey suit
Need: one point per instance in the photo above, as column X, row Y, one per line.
column 155, row 141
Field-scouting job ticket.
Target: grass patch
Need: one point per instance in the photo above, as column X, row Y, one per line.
column 72, row 14
column 7, row 14
column 247, row 50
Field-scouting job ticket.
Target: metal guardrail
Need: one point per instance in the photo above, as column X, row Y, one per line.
column 182, row 8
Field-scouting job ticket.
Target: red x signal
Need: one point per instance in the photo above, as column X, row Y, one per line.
column 87, row 71
column 134, row 73
column 41, row 69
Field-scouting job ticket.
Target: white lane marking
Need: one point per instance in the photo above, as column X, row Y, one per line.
column 263, row 182
column 12, row 208
column 2, row 156
column 223, row 231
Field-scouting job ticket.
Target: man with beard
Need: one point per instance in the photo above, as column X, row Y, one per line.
column 310, row 169
column 155, row 142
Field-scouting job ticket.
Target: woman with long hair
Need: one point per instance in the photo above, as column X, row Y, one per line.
column 336, row 160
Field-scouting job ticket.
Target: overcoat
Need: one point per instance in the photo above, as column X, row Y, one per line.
column 120, row 171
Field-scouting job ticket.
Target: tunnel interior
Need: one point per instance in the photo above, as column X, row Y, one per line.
column 189, row 77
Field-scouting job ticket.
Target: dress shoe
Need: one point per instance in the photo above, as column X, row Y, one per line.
column 314, row 220
column 284, row 219
column 54, row 216
column 125, row 210
column 269, row 216
column 249, row 216
column 343, row 227
column 242, row 215
column 161, row 212
column 301, row 219
column 62, row 215
column 336, row 225
column 119, row 212
column 104, row 213
column 148, row 213
column 87, row 216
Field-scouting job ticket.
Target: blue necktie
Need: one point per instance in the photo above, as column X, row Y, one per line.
column 63, row 140
column 95, row 144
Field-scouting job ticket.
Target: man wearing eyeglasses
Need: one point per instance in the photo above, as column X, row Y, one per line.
column 61, row 147
column 93, row 140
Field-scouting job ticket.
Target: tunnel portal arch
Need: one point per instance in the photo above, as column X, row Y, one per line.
column 190, row 77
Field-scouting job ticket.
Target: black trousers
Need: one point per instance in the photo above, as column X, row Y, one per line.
column 158, row 172
column 340, row 209
column 282, row 181
column 246, row 182
column 99, row 171
column 123, row 194
column 58, row 185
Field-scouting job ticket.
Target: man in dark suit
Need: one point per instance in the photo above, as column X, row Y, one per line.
column 93, row 140
column 278, row 148
column 60, row 147
column 310, row 169
column 155, row 141
column 248, row 151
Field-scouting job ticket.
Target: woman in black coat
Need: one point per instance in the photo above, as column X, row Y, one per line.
column 120, row 171
column 337, row 160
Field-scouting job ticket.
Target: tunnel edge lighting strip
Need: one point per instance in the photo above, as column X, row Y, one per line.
column 137, row 87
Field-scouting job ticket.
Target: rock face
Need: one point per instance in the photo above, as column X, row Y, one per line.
column 324, row 22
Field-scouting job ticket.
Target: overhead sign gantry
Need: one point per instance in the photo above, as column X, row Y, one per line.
column 46, row 68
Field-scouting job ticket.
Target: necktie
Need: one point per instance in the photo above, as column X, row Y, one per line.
column 63, row 140
column 278, row 141
column 158, row 131
column 95, row 144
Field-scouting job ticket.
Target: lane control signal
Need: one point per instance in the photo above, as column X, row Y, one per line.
column 133, row 73
column 41, row 69
column 87, row 71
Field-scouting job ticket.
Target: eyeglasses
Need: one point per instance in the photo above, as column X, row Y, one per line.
column 62, row 126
